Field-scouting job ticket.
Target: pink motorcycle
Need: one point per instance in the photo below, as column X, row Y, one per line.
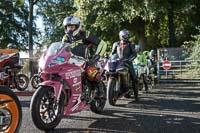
column 69, row 85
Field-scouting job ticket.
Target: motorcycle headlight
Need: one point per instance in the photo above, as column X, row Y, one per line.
column 57, row 61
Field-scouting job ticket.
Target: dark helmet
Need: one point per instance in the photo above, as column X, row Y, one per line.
column 124, row 34
column 11, row 46
column 72, row 20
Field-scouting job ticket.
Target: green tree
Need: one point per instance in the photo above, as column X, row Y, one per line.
column 53, row 13
column 195, row 44
column 174, row 24
column 13, row 23
column 155, row 24
column 108, row 17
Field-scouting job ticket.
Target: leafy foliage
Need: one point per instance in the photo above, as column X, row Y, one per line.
column 147, row 20
column 108, row 17
column 53, row 13
column 13, row 24
column 195, row 54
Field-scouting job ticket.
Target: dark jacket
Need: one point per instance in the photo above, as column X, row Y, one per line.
column 124, row 50
column 85, row 43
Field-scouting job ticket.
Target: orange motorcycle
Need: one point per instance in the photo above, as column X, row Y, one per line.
column 10, row 68
column 10, row 111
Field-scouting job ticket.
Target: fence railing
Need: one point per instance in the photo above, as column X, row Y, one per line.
column 180, row 71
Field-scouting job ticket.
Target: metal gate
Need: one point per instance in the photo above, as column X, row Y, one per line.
column 181, row 68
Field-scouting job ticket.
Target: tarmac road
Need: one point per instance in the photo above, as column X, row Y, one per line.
column 166, row 109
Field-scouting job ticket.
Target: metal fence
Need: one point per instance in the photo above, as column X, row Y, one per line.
column 182, row 68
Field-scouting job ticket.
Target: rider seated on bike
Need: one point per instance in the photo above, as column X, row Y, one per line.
column 153, row 59
column 125, row 50
column 141, row 57
column 149, row 63
column 83, row 43
column 141, row 61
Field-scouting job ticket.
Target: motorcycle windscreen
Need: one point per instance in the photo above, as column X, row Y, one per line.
column 54, row 48
column 50, row 54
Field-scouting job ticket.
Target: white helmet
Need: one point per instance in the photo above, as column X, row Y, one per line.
column 124, row 34
column 72, row 20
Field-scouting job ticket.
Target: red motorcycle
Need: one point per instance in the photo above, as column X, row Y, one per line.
column 10, row 68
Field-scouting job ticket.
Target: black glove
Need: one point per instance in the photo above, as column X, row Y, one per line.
column 125, row 60
column 90, row 63
column 95, row 58
column 131, row 58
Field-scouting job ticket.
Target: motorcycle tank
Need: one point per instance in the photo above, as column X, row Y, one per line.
column 9, row 57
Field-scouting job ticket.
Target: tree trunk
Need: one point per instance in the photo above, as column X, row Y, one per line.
column 137, row 26
column 30, row 37
column 140, row 33
column 171, row 24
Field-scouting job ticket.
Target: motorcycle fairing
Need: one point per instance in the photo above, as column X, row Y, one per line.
column 72, row 76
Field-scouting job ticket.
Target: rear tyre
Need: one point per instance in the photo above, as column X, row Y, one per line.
column 10, row 111
column 97, row 105
column 46, row 113
column 35, row 80
column 22, row 82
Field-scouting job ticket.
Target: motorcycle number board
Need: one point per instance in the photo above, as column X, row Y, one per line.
column 166, row 65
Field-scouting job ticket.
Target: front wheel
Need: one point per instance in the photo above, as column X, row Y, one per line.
column 97, row 105
column 151, row 81
column 46, row 112
column 10, row 111
column 141, row 84
column 111, row 93
column 22, row 82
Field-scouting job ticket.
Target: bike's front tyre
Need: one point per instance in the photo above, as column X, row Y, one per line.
column 111, row 93
column 97, row 105
column 46, row 112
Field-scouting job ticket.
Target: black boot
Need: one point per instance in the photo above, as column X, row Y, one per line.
column 135, row 90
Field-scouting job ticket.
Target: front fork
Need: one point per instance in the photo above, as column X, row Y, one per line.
column 118, row 83
column 57, row 87
column 60, row 90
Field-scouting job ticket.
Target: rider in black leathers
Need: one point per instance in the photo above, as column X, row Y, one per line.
column 126, row 52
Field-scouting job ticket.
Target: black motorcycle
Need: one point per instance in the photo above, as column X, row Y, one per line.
column 15, row 79
column 119, row 82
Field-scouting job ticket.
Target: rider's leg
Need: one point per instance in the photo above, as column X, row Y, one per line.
column 134, row 83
